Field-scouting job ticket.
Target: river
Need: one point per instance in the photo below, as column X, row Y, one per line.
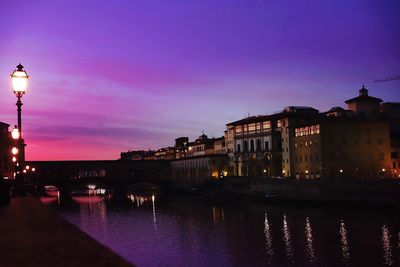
column 156, row 231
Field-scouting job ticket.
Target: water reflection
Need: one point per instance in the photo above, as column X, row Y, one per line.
column 344, row 244
column 268, row 239
column 160, row 231
column 139, row 200
column 94, row 214
column 218, row 215
column 153, row 201
column 287, row 240
column 387, row 250
column 309, row 238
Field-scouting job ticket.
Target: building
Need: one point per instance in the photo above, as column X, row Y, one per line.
column 197, row 169
column 7, row 167
column 201, row 146
column 166, row 153
column 391, row 112
column 337, row 147
column 138, row 155
column 364, row 105
column 219, row 145
column 262, row 144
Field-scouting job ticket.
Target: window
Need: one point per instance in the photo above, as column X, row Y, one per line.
column 279, row 123
column 306, row 130
column 266, row 147
column 258, row 147
column 245, row 128
column 252, row 127
column 245, row 146
column 258, row 126
column 312, row 129
column 251, row 145
column 301, row 131
column 238, row 129
column 266, row 125
column 238, row 148
column 296, row 132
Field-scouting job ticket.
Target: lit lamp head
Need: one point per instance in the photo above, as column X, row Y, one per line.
column 14, row 151
column 15, row 133
column 19, row 79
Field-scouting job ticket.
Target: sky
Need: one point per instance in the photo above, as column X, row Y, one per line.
column 112, row 76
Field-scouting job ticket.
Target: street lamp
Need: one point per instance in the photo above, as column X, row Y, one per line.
column 19, row 79
column 15, row 133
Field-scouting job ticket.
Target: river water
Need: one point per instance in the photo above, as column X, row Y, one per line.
column 156, row 231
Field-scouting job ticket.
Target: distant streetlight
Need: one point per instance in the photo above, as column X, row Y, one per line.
column 19, row 79
column 14, row 151
column 15, row 133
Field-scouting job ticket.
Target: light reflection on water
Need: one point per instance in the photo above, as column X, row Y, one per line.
column 344, row 243
column 182, row 232
column 268, row 239
column 387, row 250
column 309, row 239
column 288, row 242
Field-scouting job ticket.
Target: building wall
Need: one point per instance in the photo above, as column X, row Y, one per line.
column 345, row 149
column 307, row 154
column 6, row 143
column 200, row 168
column 365, row 109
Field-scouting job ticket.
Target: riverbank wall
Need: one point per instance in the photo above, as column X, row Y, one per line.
column 368, row 191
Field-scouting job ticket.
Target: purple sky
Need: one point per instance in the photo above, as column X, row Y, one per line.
column 109, row 76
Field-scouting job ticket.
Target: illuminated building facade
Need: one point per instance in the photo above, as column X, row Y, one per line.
column 262, row 144
column 197, row 169
column 333, row 148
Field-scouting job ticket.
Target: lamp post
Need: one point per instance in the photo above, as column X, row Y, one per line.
column 19, row 79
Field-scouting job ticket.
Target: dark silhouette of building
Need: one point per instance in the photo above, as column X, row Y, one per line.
column 6, row 144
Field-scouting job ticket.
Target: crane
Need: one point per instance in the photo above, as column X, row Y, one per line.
column 393, row 78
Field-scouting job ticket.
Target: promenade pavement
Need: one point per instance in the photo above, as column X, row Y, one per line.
column 32, row 234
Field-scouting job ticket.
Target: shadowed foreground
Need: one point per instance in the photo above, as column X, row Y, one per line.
column 34, row 235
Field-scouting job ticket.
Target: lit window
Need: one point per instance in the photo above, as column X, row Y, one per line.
column 238, row 129
column 278, row 123
column 317, row 129
column 266, row 125
column 252, row 127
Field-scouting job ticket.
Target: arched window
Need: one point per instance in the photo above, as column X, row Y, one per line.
column 246, row 146
column 251, row 145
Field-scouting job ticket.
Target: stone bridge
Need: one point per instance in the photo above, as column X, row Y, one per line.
column 115, row 174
